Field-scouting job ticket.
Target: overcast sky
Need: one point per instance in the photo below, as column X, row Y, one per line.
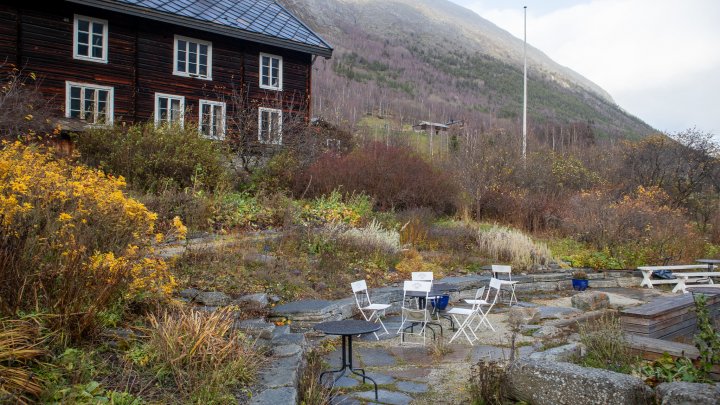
column 659, row 59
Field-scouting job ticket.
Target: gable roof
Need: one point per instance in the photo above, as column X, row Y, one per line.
column 263, row 21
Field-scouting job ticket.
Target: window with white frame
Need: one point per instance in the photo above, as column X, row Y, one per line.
column 212, row 119
column 90, row 39
column 270, row 126
column 193, row 58
column 271, row 72
column 169, row 109
column 89, row 102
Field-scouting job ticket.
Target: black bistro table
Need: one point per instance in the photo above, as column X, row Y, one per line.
column 347, row 329
column 710, row 262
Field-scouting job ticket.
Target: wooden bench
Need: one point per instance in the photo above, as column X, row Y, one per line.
column 668, row 318
column 681, row 279
column 653, row 349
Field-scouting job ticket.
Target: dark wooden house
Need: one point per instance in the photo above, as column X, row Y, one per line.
column 195, row 62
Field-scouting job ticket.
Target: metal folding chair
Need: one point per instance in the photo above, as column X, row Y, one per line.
column 497, row 270
column 362, row 299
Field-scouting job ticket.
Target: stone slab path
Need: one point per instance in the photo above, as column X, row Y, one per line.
column 439, row 372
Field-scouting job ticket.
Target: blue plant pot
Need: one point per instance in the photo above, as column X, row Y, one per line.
column 441, row 303
column 580, row 285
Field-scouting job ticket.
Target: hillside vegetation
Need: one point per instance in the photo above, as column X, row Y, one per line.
column 433, row 60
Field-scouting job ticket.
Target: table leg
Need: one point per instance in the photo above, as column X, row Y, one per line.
column 352, row 370
column 680, row 286
column 646, row 278
column 342, row 369
column 347, row 364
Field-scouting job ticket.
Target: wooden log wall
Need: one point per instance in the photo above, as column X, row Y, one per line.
column 140, row 62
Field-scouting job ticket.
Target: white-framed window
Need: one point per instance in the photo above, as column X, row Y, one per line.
column 193, row 58
column 89, row 102
column 211, row 122
column 271, row 72
column 90, row 39
column 270, row 126
column 169, row 109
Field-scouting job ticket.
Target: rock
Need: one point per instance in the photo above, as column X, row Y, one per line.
column 256, row 327
column 213, row 298
column 284, row 395
column 386, row 397
column 286, row 350
column 560, row 353
column 542, row 382
column 259, row 300
column 412, row 387
column 590, row 301
column 289, row 339
column 523, row 316
column 260, row 258
column 190, row 293
column 684, row 393
column 557, row 312
column 547, row 331
column 274, row 299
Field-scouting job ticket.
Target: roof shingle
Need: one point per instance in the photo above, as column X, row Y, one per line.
column 265, row 18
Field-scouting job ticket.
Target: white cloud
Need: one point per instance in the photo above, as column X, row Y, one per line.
column 659, row 59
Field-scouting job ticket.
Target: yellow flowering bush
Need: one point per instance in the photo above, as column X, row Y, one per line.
column 71, row 241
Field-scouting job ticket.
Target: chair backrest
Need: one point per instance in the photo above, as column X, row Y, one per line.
column 408, row 300
column 495, row 284
column 497, row 269
column 422, row 276
column 358, row 288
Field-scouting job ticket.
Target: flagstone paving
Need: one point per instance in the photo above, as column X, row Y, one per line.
column 438, row 372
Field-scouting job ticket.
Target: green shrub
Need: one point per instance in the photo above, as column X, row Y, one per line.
column 606, row 346
column 333, row 208
column 157, row 159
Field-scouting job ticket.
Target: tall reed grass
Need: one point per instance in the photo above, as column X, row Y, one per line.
column 512, row 246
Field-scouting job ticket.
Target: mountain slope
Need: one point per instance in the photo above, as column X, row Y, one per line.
column 434, row 60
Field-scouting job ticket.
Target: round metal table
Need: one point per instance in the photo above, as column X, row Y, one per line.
column 347, row 329
column 437, row 291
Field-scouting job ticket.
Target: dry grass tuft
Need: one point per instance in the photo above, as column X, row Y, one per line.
column 19, row 345
column 512, row 246
column 202, row 353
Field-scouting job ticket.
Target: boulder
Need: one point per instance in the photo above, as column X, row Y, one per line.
column 259, row 300
column 523, row 316
column 542, row 382
column 590, row 301
column 560, row 353
column 547, row 331
column 256, row 327
column 213, row 298
column 189, row 293
column 684, row 393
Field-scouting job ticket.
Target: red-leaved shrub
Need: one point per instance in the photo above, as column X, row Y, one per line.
column 396, row 178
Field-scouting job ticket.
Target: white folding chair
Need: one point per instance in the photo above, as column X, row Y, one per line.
column 360, row 291
column 422, row 276
column 494, row 290
column 410, row 314
column 497, row 270
column 469, row 314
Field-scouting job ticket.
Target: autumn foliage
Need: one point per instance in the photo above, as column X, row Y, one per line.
column 71, row 242
column 395, row 177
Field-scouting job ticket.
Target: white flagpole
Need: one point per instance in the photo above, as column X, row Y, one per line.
column 524, row 145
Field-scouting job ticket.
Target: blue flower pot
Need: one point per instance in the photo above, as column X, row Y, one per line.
column 440, row 303
column 580, row 285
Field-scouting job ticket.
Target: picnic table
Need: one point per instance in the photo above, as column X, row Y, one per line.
column 681, row 278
